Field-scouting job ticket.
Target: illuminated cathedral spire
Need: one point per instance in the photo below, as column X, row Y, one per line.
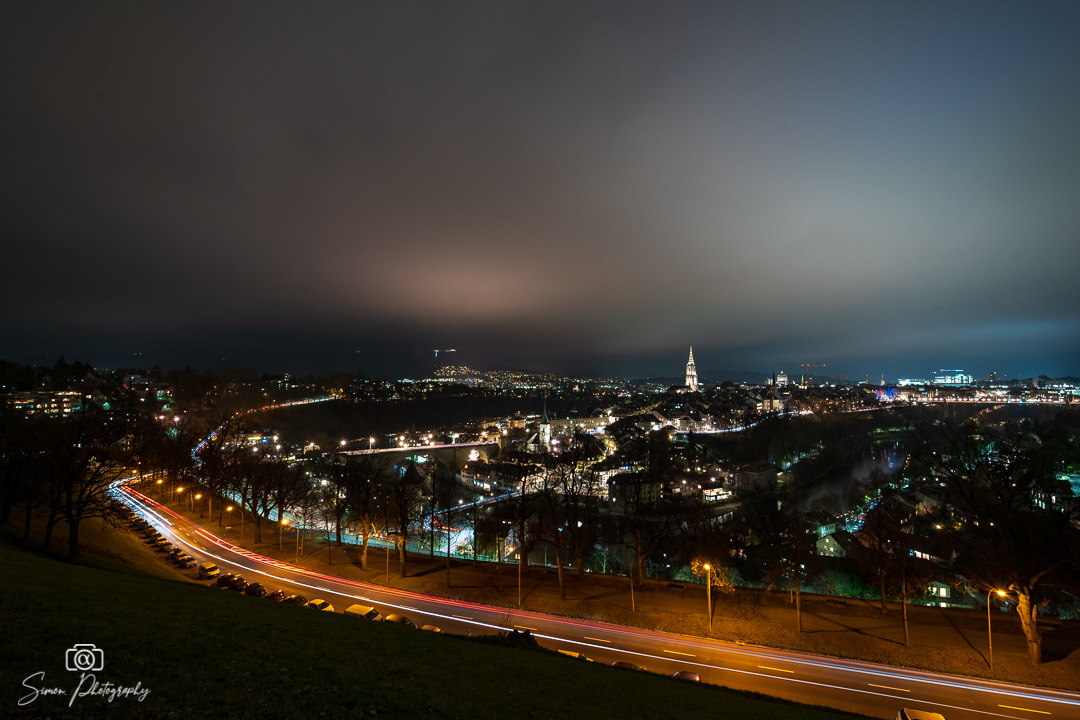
column 691, row 373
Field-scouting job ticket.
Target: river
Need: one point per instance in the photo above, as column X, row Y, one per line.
column 888, row 455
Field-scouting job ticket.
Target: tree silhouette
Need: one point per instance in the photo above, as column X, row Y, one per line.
column 1009, row 537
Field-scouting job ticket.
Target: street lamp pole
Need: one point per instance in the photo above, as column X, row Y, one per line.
column 989, row 636
column 297, row 534
column 708, row 591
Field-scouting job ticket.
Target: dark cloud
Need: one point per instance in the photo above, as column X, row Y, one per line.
column 578, row 186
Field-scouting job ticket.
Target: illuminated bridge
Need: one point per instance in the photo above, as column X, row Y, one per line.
column 454, row 455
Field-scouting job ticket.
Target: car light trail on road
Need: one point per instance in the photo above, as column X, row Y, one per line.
column 886, row 687
column 676, row 652
column 597, row 639
column 1011, row 707
column 766, row 667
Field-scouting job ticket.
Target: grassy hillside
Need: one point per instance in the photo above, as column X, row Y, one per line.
column 213, row 653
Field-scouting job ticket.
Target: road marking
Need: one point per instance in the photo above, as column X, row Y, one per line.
column 676, row 652
column 462, row 617
column 1013, row 707
column 766, row 667
column 888, row 687
column 410, row 607
column 525, row 628
column 596, row 639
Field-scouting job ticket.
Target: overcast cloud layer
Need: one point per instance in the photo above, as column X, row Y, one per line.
column 885, row 187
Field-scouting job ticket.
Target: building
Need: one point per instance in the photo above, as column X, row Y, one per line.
column 632, row 488
column 47, row 402
column 952, row 377
column 838, row 544
column 691, row 373
column 760, row 474
column 545, row 427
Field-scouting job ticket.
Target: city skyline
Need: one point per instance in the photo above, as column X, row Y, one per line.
column 576, row 188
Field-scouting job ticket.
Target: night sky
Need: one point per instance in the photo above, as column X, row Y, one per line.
column 888, row 188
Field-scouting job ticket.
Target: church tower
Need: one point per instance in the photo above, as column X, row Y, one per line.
column 691, row 373
column 545, row 427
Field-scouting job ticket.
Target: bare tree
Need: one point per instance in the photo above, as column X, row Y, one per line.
column 89, row 452
column 402, row 491
column 1010, row 538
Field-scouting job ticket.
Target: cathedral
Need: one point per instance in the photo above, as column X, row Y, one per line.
column 691, row 373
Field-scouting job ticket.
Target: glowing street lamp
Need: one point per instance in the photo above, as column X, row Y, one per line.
column 989, row 635
column 708, row 591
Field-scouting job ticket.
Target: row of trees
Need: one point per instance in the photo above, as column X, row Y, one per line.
column 1003, row 522
column 60, row 469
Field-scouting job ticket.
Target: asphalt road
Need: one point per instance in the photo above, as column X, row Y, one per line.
column 867, row 688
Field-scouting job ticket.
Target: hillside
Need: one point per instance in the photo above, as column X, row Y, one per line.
column 214, row 653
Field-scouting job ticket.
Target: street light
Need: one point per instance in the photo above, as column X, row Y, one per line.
column 508, row 551
column 708, row 591
column 198, row 496
column 989, row 635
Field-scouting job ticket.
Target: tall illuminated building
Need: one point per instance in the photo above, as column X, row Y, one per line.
column 691, row 373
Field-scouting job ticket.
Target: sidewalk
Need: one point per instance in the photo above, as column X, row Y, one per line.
column 944, row 640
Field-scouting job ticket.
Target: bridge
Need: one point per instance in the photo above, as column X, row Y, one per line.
column 454, row 455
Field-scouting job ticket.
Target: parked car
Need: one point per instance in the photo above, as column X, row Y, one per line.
column 224, row 581
column 431, row 628
column 299, row 600
column 208, row 571
column 576, row 655
column 912, row 714
column 364, row 611
column 626, row 665
column 277, row 595
column 687, row 675
column 183, row 560
column 399, row 620
column 238, row 584
column 256, row 589
column 320, row 604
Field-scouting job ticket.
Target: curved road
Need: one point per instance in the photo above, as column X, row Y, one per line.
column 867, row 688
